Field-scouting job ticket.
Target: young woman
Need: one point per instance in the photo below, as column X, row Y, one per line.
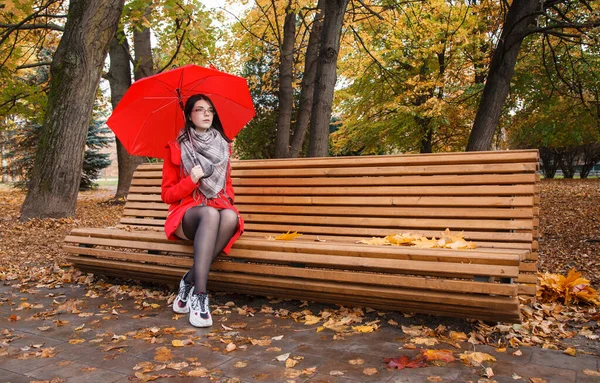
column 196, row 183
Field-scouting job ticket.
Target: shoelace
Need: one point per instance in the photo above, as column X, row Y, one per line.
column 199, row 302
column 184, row 291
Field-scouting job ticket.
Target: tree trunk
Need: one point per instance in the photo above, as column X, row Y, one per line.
column 550, row 160
column 519, row 17
column 119, row 78
column 286, row 98
column 75, row 73
column 308, row 82
column 568, row 161
column 326, row 77
column 142, row 47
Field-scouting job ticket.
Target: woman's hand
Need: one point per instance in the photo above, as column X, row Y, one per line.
column 196, row 173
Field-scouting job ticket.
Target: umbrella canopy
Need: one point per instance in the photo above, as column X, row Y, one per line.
column 150, row 114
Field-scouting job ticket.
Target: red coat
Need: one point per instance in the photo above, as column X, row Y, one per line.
column 177, row 191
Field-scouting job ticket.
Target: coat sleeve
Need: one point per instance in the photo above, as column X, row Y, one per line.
column 174, row 188
column 228, row 184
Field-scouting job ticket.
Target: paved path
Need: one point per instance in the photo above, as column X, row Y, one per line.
column 110, row 350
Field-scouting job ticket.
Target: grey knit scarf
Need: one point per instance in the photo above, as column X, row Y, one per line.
column 209, row 150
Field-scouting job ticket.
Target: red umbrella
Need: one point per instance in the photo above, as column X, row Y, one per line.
column 150, row 114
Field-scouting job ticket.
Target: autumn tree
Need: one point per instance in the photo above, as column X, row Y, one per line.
column 566, row 19
column 75, row 73
column 413, row 72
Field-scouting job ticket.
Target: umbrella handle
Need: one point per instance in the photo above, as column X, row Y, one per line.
column 210, row 172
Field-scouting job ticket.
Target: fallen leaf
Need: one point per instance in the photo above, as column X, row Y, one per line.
column 287, row 236
column 289, row 363
column 591, row 372
column 198, row 373
column 240, row 364
column 403, row 361
column 370, row 371
column 425, row 341
column 476, row 358
column 163, row 354
column 443, row 355
column 570, row 351
column 336, row 373
column 283, row 357
column 356, row 362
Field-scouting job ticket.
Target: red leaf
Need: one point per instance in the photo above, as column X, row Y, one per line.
column 404, row 361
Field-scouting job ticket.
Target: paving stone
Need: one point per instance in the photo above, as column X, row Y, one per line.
column 21, row 366
column 559, row 359
column 504, row 370
column 341, row 362
column 26, row 339
column 10, row 377
column 262, row 372
column 319, row 378
column 112, row 360
column 583, row 378
column 74, row 372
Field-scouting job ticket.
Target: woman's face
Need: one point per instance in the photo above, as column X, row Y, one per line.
column 202, row 115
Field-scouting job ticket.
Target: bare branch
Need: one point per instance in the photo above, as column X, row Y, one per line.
column 49, row 26
column 370, row 10
column 249, row 31
column 35, row 65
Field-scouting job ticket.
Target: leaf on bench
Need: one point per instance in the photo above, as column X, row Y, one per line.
column 448, row 240
column 288, row 236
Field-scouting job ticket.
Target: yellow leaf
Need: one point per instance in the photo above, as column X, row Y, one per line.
column 311, row 319
column 425, row 341
column 364, row 329
column 198, row 373
column 570, row 351
column 76, row 341
column 458, row 335
column 356, row 362
column 476, row 358
column 289, row 363
column 163, row 354
column 591, row 372
column 374, row 241
column 370, row 371
column 177, row 343
column 288, row 236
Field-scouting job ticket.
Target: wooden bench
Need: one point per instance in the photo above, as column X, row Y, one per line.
column 334, row 202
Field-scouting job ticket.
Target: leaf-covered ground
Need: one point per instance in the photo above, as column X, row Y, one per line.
column 30, row 259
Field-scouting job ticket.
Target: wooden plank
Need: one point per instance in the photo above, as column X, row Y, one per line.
column 404, row 159
column 447, row 212
column 462, row 300
column 448, row 285
column 144, row 197
column 414, row 201
column 450, row 212
column 367, row 180
column 377, row 232
column 316, row 274
column 392, row 223
column 173, row 275
column 356, row 170
column 307, row 245
column 473, row 190
column 130, row 256
column 142, row 222
column 431, row 266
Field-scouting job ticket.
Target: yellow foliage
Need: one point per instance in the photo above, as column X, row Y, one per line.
column 288, row 236
column 448, row 240
column 570, row 289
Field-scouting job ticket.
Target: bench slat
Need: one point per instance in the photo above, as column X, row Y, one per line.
column 373, row 190
column 460, row 286
column 477, row 179
column 137, row 208
column 479, row 256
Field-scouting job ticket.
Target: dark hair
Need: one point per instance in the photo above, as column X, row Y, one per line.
column 187, row 112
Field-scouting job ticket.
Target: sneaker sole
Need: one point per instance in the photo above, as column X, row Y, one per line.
column 180, row 310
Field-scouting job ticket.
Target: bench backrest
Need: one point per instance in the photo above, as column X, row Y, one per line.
column 492, row 196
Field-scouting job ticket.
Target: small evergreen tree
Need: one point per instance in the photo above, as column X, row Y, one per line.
column 93, row 160
column 22, row 144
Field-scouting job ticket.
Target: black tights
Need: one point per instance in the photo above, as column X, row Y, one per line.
column 211, row 230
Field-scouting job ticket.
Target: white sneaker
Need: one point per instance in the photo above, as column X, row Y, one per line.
column 181, row 302
column 199, row 310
